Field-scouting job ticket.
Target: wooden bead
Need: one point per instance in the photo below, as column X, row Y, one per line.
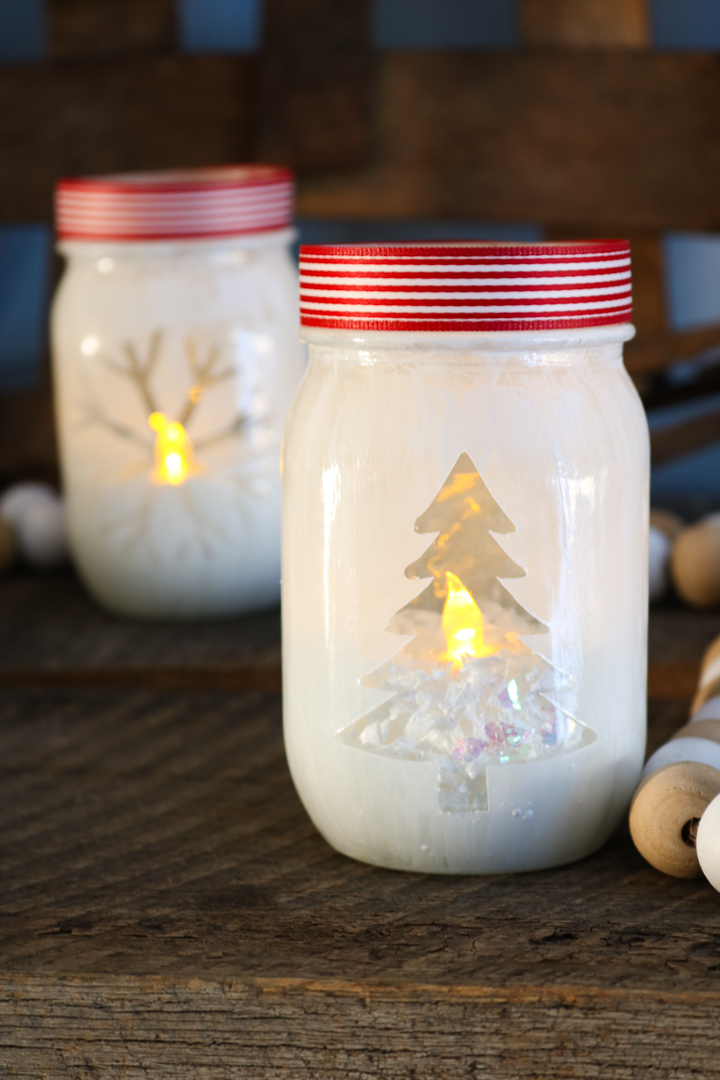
column 667, row 523
column 709, row 686
column 8, row 547
column 705, row 693
column 695, row 565
column 711, row 654
column 708, row 843
column 709, row 710
column 664, row 813
column 37, row 518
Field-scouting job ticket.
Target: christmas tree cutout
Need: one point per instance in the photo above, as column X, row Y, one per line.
column 468, row 693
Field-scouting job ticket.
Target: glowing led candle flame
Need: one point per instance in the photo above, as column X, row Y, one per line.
column 462, row 624
column 174, row 459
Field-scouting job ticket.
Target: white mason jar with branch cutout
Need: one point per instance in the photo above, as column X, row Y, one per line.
column 175, row 356
column 465, row 521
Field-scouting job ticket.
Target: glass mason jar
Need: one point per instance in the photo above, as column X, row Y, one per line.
column 175, row 357
column 465, row 523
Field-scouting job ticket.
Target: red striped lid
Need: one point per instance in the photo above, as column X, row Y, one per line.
column 228, row 200
column 466, row 286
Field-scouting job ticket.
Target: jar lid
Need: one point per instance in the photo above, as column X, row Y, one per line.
column 182, row 204
column 466, row 286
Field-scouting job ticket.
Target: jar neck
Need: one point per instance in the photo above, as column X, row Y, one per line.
column 152, row 249
column 510, row 341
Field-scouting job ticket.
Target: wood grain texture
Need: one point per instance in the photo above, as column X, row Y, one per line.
column 648, row 282
column 135, row 113
column 315, row 83
column 51, row 630
column 552, row 136
column 28, row 448
column 346, row 1030
column 670, row 443
column 650, row 354
column 84, row 28
column 585, row 23
column 677, row 634
column 169, row 911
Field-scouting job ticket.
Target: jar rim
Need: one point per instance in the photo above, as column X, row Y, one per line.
column 469, row 340
column 272, row 238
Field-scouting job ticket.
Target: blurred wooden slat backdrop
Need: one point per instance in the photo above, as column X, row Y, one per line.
column 584, row 129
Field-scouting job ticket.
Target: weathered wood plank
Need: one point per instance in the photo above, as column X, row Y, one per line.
column 159, row 835
column 650, row 354
column 82, row 28
column 52, row 632
column 669, row 443
column 168, row 911
column 346, row 1030
column 616, row 137
column 669, row 681
column 585, row 23
column 135, row 113
column 679, row 635
column 315, row 89
column 28, row 449
column 648, row 281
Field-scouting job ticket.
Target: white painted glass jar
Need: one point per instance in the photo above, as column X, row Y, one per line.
column 175, row 357
column 465, row 523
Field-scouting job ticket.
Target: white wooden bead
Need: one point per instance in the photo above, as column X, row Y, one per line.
column 702, row 751
column 709, row 711
column 660, row 547
column 707, row 843
column 18, row 497
column 41, row 536
column 37, row 517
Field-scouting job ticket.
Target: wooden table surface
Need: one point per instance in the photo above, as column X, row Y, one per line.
column 167, row 910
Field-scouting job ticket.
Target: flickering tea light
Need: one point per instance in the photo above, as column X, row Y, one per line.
column 463, row 649
column 680, row 781
column 175, row 359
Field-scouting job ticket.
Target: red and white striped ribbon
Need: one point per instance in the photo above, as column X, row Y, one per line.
column 470, row 286
column 185, row 204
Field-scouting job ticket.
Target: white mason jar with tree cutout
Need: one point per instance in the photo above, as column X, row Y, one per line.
column 465, row 522
column 175, row 359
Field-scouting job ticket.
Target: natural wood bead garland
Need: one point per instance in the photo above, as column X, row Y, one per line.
column 680, row 780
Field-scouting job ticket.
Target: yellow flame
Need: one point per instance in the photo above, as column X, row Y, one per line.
column 174, row 458
column 462, row 624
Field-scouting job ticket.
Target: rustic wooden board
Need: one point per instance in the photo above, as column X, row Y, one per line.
column 566, row 137
column 168, row 910
column 685, row 438
column 108, row 27
column 314, row 101
column 28, row 450
column 52, row 632
column 69, row 118
column 653, row 353
column 585, row 23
